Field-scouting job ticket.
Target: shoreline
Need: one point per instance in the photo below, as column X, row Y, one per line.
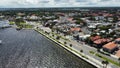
column 71, row 50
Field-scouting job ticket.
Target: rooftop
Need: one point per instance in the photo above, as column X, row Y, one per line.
column 95, row 38
column 118, row 39
column 118, row 53
column 100, row 41
column 75, row 29
column 110, row 45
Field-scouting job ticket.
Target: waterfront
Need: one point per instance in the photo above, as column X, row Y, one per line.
column 28, row 49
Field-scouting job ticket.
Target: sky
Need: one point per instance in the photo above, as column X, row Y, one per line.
column 58, row 3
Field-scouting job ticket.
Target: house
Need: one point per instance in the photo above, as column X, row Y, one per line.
column 34, row 17
column 93, row 25
column 83, row 37
column 117, row 40
column 75, row 30
column 100, row 42
column 110, row 47
column 21, row 14
column 99, row 17
column 70, row 19
column 117, row 53
column 93, row 38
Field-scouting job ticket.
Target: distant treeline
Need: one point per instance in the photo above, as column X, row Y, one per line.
column 60, row 9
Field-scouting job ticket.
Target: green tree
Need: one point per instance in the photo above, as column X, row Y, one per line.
column 105, row 63
column 65, row 42
column 71, row 45
column 58, row 37
column 115, row 19
column 81, row 51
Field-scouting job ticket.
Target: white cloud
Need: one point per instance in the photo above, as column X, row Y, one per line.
column 58, row 3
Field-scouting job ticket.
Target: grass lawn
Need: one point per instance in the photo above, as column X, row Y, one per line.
column 24, row 25
column 11, row 23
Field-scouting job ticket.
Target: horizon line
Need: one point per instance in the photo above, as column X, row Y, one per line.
column 67, row 7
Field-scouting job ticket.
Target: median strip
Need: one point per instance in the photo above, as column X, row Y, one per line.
column 104, row 58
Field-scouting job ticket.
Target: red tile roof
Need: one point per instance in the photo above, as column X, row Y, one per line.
column 118, row 53
column 100, row 41
column 118, row 39
column 75, row 29
column 61, row 14
column 110, row 45
column 71, row 20
column 95, row 38
column 94, row 14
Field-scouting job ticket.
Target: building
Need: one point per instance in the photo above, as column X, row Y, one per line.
column 110, row 47
column 93, row 38
column 118, row 53
column 117, row 40
column 100, row 42
column 75, row 30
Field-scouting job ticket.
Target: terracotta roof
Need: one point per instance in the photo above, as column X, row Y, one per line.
column 71, row 20
column 94, row 14
column 118, row 53
column 95, row 38
column 110, row 15
column 75, row 29
column 100, row 41
column 107, row 15
column 61, row 14
column 118, row 39
column 110, row 45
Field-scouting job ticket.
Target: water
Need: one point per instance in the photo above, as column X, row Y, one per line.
column 28, row 49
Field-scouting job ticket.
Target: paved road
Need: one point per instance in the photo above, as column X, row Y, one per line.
column 28, row 49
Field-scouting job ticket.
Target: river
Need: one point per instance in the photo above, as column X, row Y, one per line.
column 29, row 49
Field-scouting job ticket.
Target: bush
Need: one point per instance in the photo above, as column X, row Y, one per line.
column 81, row 50
column 58, row 37
column 65, row 42
column 71, row 45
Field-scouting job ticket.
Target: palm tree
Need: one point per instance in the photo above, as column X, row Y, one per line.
column 103, row 62
column 106, row 63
